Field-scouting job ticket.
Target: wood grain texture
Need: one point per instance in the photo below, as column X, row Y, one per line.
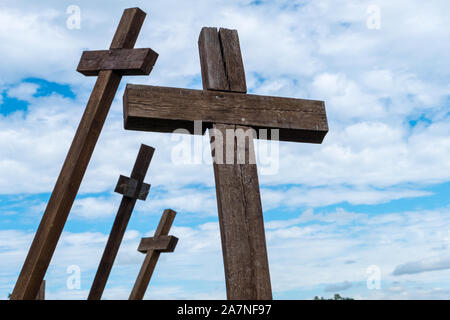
column 213, row 69
column 161, row 243
column 241, row 221
column 232, row 59
column 122, row 61
column 128, row 30
column 77, row 160
column 254, row 219
column 163, row 109
column 120, row 224
column 151, row 257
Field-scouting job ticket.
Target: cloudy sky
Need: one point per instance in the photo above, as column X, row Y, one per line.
column 365, row 214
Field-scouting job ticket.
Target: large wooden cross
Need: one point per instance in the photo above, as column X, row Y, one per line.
column 152, row 248
column 109, row 65
column 224, row 106
column 131, row 188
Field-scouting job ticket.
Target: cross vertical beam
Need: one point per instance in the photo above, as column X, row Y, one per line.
column 131, row 194
column 152, row 255
column 238, row 198
column 77, row 160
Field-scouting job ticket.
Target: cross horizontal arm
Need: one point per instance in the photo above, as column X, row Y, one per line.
column 162, row 109
column 161, row 243
column 123, row 61
column 128, row 187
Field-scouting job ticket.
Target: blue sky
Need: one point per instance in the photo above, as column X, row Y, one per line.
column 371, row 202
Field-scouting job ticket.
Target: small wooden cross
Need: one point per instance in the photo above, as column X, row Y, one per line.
column 152, row 247
column 224, row 106
column 132, row 188
column 109, row 66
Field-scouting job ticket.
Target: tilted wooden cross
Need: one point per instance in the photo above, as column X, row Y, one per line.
column 109, row 66
column 152, row 247
column 132, row 188
column 224, row 106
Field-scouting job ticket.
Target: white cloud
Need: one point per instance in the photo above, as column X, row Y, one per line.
column 413, row 267
column 369, row 143
column 304, row 253
column 338, row 287
column 316, row 197
column 95, row 207
column 23, row 91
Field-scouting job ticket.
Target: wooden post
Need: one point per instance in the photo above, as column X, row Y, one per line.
column 77, row 160
column 160, row 242
column 132, row 188
column 224, row 107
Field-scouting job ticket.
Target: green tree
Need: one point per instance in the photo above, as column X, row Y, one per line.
column 337, row 296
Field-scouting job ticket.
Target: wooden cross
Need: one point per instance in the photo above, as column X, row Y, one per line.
column 152, row 247
column 224, row 106
column 109, row 66
column 132, row 188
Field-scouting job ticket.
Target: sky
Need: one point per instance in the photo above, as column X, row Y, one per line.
column 365, row 214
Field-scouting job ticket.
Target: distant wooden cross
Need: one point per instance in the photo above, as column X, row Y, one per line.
column 224, row 107
column 132, row 188
column 109, row 66
column 152, row 248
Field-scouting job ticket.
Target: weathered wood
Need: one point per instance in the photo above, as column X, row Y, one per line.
column 161, row 243
column 162, row 109
column 128, row 187
column 120, row 223
column 241, row 221
column 128, row 30
column 122, row 61
column 151, row 257
column 41, row 293
column 232, row 60
column 77, row 160
column 213, row 72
